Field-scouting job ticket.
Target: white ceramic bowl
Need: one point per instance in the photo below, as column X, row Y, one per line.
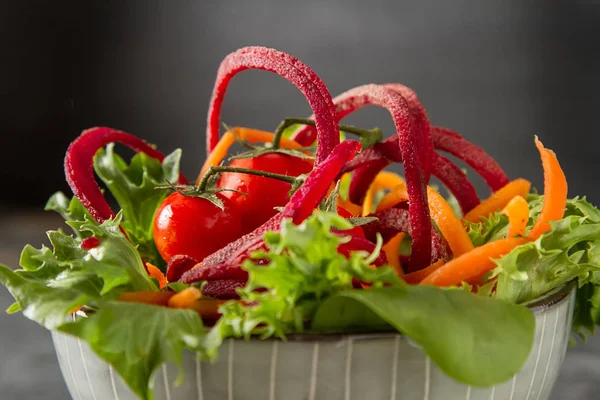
column 383, row 366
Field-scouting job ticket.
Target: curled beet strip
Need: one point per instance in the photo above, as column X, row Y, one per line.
column 215, row 272
column 288, row 67
column 359, row 97
column 179, row 265
column 453, row 143
column 412, row 149
column 409, row 142
column 313, row 190
column 223, row 289
column 358, row 243
column 456, row 181
column 371, row 161
column 80, row 172
column 395, row 220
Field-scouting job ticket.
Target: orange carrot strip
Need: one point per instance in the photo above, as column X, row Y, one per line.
column 395, row 196
column 156, row 273
column 147, row 297
column 417, row 276
column 208, row 308
column 247, row 134
column 392, row 252
column 383, row 180
column 517, row 211
column 498, row 200
column 472, row 265
column 448, row 223
column 555, row 192
column 186, row 298
column 352, row 208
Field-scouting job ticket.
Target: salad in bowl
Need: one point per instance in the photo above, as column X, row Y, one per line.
column 305, row 238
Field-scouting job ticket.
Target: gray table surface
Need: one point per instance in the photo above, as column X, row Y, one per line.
column 29, row 369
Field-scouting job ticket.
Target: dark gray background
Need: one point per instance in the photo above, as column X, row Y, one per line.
column 496, row 71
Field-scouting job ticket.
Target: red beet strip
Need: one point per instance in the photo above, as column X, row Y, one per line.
column 456, row 181
column 315, row 187
column 392, row 221
column 473, row 155
column 357, row 98
column 288, row 67
column 226, row 262
column 80, row 172
column 408, row 141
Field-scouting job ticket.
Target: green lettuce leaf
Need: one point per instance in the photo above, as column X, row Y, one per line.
column 472, row 352
column 133, row 186
column 137, row 338
column 53, row 283
column 570, row 251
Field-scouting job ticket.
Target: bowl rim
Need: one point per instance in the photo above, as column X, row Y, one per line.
column 552, row 299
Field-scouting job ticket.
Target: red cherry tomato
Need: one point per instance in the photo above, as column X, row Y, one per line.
column 263, row 194
column 194, row 226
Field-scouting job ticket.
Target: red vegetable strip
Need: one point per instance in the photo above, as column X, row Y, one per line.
column 316, row 185
column 412, row 155
column 451, row 142
column 80, row 172
column 289, row 68
column 224, row 289
column 396, row 220
column 456, row 181
column 357, row 98
column 213, row 272
column 178, row 265
column 357, row 243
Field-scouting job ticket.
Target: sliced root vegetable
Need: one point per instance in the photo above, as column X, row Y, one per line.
column 215, row 271
column 359, row 97
column 383, row 181
column 456, row 181
column 178, row 265
column 353, row 209
column 186, row 298
column 392, row 252
column 218, row 154
column 453, row 143
column 396, row 220
column 157, row 274
column 417, row 276
column 517, row 211
column 413, row 155
column 208, row 308
column 358, row 243
column 222, row 289
column 362, row 178
column 555, row 192
column 316, row 185
column 146, row 297
column 498, row 200
column 80, row 172
column 289, row 68
column 471, row 266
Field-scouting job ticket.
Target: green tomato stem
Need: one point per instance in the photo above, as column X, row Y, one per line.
column 366, row 135
column 220, row 169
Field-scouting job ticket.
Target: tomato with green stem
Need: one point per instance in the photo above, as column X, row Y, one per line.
column 258, row 196
column 195, row 226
